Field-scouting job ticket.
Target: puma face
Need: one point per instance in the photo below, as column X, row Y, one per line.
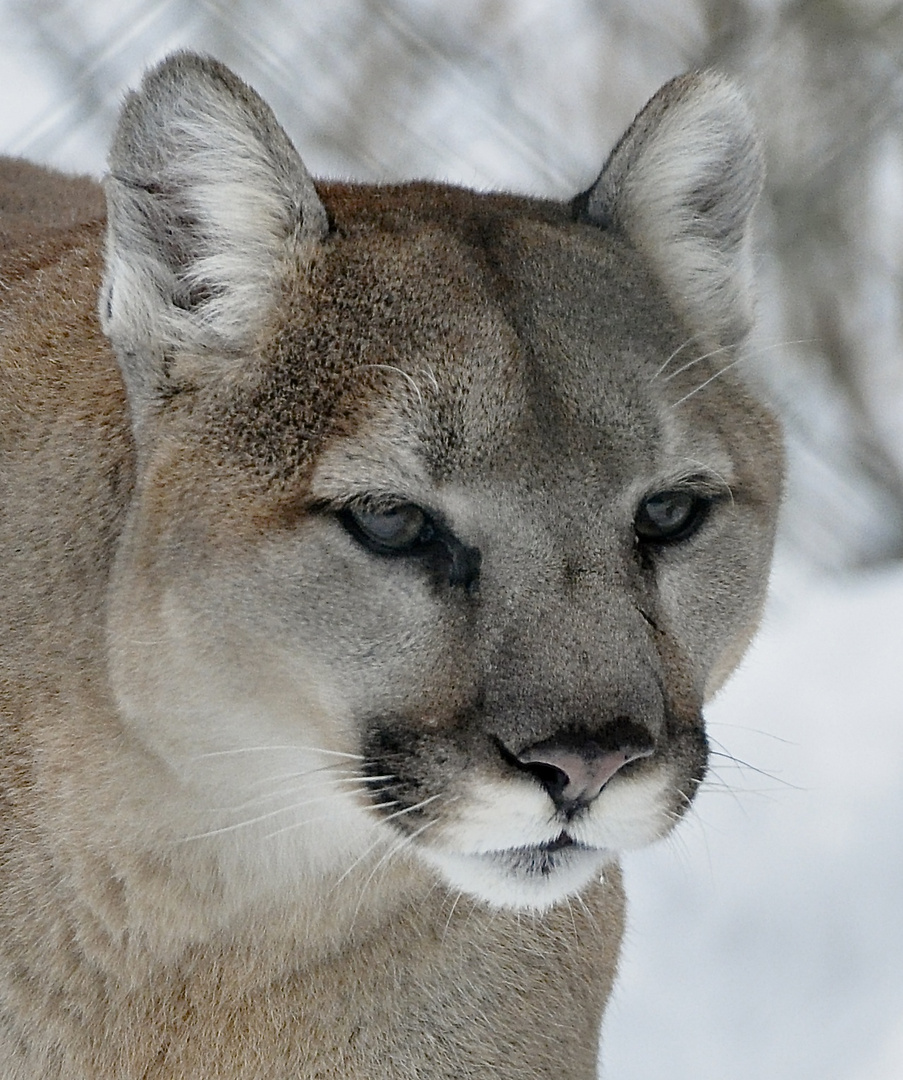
column 451, row 510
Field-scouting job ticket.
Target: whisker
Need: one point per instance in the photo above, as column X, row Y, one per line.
column 570, row 908
column 764, row 794
column 337, row 776
column 743, row 357
column 697, row 360
column 714, row 784
column 587, row 910
column 256, row 820
column 451, row 913
column 677, row 844
column 728, row 756
column 278, row 749
column 361, row 858
column 411, row 809
column 431, row 375
column 677, row 351
column 686, row 798
column 397, row 371
column 295, row 825
column 754, row 730
column 343, row 776
column 715, row 474
column 406, row 841
column 710, row 379
column 748, row 354
column 286, row 789
column 369, row 850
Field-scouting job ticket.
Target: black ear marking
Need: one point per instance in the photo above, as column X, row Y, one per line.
column 580, row 211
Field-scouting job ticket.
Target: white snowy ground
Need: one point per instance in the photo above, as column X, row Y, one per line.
column 766, row 938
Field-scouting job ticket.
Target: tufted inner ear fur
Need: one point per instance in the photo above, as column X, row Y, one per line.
column 208, row 205
column 681, row 184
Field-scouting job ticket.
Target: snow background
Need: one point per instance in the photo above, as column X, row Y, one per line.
column 766, row 936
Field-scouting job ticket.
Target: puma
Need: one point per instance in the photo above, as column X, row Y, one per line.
column 368, row 556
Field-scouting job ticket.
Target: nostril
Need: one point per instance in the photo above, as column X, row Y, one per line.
column 554, row 779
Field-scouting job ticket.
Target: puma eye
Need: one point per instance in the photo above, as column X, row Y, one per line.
column 669, row 516
column 396, row 530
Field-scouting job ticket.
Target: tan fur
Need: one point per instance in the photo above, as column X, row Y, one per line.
column 205, row 674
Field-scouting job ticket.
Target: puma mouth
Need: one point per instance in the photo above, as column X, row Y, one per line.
column 542, row 859
column 531, row 877
column 560, row 842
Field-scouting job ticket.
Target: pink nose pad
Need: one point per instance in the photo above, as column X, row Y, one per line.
column 575, row 776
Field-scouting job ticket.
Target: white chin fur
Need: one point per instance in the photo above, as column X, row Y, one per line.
column 495, row 848
column 526, row 879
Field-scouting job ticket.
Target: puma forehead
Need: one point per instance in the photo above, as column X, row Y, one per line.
column 365, row 548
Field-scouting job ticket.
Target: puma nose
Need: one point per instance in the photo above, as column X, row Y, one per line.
column 573, row 774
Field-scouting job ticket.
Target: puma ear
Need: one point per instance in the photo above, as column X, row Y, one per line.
column 682, row 184
column 208, row 205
